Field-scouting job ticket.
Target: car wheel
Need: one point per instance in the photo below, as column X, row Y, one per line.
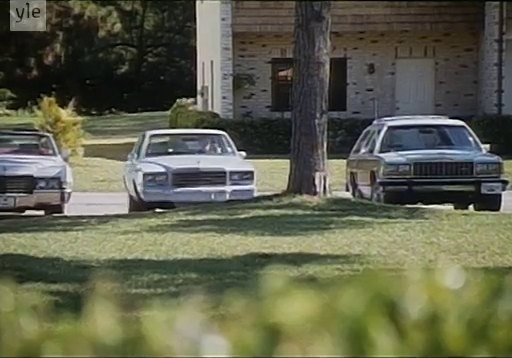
column 55, row 209
column 488, row 202
column 354, row 191
column 135, row 205
column 376, row 194
column 461, row 206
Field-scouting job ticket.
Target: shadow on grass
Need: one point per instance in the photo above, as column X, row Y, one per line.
column 40, row 224
column 288, row 217
column 275, row 215
column 67, row 280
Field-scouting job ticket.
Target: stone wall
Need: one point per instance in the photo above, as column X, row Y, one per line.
column 455, row 54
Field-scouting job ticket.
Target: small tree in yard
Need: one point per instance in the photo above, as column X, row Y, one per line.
column 63, row 123
column 308, row 162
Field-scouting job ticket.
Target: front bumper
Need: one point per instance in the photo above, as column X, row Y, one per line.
column 456, row 184
column 38, row 200
column 438, row 191
column 198, row 195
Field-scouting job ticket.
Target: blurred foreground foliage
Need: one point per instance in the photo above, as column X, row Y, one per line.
column 447, row 312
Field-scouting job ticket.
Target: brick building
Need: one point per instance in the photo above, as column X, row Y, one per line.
column 387, row 58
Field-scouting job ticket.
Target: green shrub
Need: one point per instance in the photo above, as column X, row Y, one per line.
column 272, row 136
column 6, row 97
column 63, row 123
column 183, row 114
column 495, row 130
column 448, row 312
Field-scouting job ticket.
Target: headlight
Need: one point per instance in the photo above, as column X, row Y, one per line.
column 241, row 178
column 488, row 168
column 392, row 170
column 156, row 179
column 48, row 183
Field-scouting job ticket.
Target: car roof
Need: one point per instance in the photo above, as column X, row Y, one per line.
column 184, row 131
column 418, row 120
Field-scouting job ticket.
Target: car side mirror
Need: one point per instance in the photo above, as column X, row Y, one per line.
column 242, row 154
column 64, row 153
column 486, row 147
column 131, row 156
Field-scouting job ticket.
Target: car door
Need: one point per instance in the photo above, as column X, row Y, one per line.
column 368, row 163
column 353, row 159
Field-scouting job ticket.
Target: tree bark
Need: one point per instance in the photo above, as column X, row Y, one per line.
column 310, row 90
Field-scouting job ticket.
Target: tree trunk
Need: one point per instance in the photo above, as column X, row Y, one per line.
column 310, row 90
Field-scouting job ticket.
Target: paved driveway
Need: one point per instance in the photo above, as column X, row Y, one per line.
column 117, row 203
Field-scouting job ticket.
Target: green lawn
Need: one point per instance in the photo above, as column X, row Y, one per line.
column 104, row 175
column 108, row 126
column 216, row 247
column 100, row 174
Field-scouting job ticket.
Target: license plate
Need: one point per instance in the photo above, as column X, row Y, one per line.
column 491, row 188
column 7, row 202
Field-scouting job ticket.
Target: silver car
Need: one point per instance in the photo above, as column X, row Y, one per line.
column 425, row 159
column 174, row 166
column 34, row 175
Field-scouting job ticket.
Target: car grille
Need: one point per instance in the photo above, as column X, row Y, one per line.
column 198, row 178
column 16, row 184
column 443, row 169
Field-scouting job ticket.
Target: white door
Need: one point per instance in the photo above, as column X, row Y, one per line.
column 414, row 88
column 507, row 81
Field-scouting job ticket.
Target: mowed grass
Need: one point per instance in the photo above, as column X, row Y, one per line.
column 105, row 175
column 214, row 248
column 115, row 126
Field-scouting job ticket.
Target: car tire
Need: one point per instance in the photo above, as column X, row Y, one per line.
column 377, row 195
column 55, row 209
column 135, row 205
column 461, row 206
column 489, row 202
column 354, row 191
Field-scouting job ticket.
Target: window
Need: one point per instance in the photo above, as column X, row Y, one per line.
column 188, row 144
column 282, row 71
column 362, row 139
column 137, row 146
column 338, row 85
column 26, row 144
column 427, row 137
column 369, row 145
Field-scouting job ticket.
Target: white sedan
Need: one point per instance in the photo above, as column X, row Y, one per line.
column 174, row 166
column 34, row 175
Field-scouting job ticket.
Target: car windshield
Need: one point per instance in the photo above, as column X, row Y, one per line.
column 428, row 137
column 188, row 144
column 26, row 144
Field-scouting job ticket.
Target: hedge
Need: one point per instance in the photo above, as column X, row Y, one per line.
column 496, row 130
column 448, row 312
column 272, row 136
